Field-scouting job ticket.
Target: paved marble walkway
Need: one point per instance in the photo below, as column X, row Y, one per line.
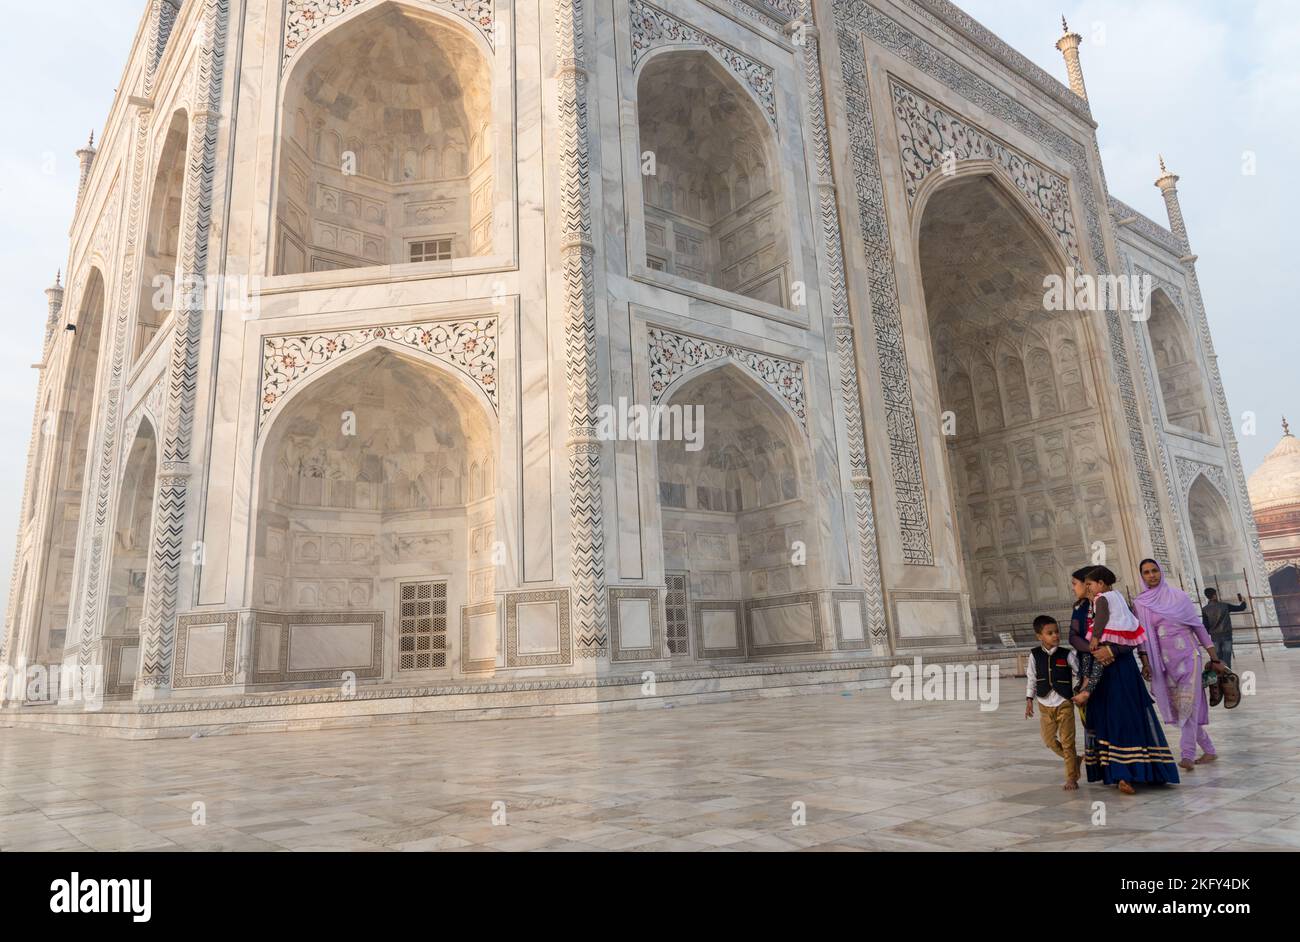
column 871, row 773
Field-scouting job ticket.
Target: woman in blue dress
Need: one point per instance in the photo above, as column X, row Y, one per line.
column 1124, row 743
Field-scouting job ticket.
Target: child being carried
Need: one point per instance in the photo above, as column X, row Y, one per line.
column 1110, row 622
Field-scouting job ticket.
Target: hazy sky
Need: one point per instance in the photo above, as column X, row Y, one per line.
column 1197, row 80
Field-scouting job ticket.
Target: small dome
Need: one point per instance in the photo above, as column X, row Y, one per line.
column 1277, row 480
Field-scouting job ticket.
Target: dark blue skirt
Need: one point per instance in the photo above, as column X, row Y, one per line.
column 1123, row 739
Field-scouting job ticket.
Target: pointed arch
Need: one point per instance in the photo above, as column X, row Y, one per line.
column 1176, row 359
column 1014, row 384
column 1057, row 258
column 414, row 83
column 349, row 518
column 69, row 448
column 159, row 288
column 478, row 380
column 1034, row 469
column 738, row 516
column 791, row 405
column 308, row 32
column 712, row 212
column 1284, row 585
column 1220, row 550
column 959, row 398
column 1042, row 376
column 132, row 533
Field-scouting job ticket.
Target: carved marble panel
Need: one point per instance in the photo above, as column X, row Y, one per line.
column 470, row 346
column 653, row 27
column 674, row 354
column 306, row 17
column 929, row 136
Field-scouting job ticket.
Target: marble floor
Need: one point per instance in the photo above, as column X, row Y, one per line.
column 871, row 774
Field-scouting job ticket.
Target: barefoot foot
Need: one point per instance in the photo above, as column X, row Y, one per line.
column 1127, row 789
column 1208, row 757
column 1186, row 764
column 1070, row 786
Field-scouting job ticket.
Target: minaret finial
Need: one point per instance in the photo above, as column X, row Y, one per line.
column 1068, row 44
column 91, row 145
column 1286, row 428
column 54, row 295
column 1168, row 184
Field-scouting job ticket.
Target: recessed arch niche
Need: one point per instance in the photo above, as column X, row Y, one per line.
column 1177, row 365
column 386, row 153
column 376, row 476
column 159, row 289
column 1219, row 550
column 738, row 518
column 1284, row 585
column 133, row 535
column 71, row 448
column 714, row 207
column 1032, row 488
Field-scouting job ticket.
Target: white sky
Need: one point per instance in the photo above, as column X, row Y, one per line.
column 1200, row 81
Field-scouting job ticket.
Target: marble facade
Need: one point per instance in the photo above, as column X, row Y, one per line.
column 463, row 228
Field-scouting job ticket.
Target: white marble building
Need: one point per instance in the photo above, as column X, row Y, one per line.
column 445, row 235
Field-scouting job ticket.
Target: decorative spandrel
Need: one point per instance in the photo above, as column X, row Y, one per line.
column 470, row 346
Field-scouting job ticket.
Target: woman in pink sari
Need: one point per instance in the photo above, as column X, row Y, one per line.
column 1173, row 657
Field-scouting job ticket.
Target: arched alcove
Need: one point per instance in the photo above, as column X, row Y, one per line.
column 159, row 289
column 1032, row 485
column 386, row 151
column 366, row 504
column 1219, row 549
column 714, row 211
column 1284, row 585
column 739, row 523
column 1178, row 369
column 71, row 448
column 132, row 535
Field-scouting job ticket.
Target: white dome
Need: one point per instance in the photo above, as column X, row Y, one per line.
column 1277, row 480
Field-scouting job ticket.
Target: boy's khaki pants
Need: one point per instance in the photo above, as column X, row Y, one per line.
column 1057, row 726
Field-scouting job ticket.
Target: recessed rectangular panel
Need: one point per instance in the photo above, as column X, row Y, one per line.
column 634, row 628
column 923, row 621
column 539, row 628
column 268, row 647
column 482, row 637
column 851, row 628
column 719, row 628
column 205, row 649
column 128, row 664
column 324, row 647
column 786, row 624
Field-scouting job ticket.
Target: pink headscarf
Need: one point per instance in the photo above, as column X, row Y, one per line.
column 1173, row 605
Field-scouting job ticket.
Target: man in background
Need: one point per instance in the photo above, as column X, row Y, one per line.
column 1218, row 622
